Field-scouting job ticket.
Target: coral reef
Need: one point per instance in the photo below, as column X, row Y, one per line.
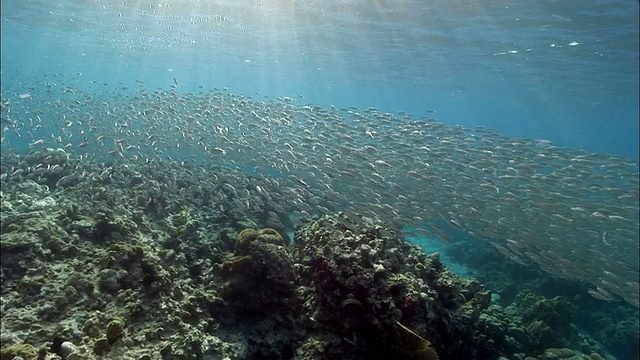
column 377, row 278
column 548, row 320
column 101, row 285
column 537, row 310
column 532, row 325
column 120, row 265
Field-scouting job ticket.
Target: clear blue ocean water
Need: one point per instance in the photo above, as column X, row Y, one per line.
column 564, row 71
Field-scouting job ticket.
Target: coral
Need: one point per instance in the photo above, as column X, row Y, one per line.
column 500, row 333
column 555, row 312
column 541, row 334
column 278, row 222
column 266, row 235
column 101, row 346
column 245, row 237
column 49, row 164
column 377, row 278
column 622, row 336
column 83, row 226
column 28, row 203
column 126, row 266
column 115, row 330
column 532, row 324
column 245, row 224
column 348, row 287
column 259, row 281
column 261, row 265
column 109, row 226
column 24, row 351
column 88, row 260
column 181, row 223
column 242, row 264
column 615, row 326
column 123, row 254
column 271, row 236
column 548, row 320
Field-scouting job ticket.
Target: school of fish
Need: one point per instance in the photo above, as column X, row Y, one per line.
column 572, row 213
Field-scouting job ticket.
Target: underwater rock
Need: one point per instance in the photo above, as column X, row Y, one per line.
column 66, row 349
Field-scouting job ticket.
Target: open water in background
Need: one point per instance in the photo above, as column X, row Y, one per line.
column 564, row 71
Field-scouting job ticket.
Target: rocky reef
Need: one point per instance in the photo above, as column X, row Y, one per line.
column 360, row 279
column 83, row 285
column 533, row 312
column 122, row 266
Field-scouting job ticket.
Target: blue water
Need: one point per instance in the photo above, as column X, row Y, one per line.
column 564, row 71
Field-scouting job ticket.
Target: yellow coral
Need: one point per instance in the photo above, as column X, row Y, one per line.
column 245, row 237
column 271, row 236
column 266, row 235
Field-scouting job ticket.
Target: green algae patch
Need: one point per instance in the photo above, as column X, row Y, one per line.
column 24, row 351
